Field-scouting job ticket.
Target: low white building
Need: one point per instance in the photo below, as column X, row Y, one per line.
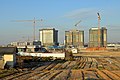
column 8, row 56
column 33, row 46
column 113, row 45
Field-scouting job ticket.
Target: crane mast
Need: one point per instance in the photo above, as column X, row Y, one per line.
column 34, row 29
column 34, row 22
column 77, row 23
column 98, row 29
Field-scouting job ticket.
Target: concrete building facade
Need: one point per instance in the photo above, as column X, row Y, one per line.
column 74, row 38
column 48, row 36
column 94, row 37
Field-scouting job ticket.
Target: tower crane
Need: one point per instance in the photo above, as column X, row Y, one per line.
column 34, row 22
column 99, row 18
column 77, row 23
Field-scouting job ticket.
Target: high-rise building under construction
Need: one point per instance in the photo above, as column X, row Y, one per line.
column 74, row 38
column 48, row 36
column 97, row 39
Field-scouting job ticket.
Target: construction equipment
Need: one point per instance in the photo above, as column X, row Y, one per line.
column 98, row 29
column 34, row 22
column 77, row 23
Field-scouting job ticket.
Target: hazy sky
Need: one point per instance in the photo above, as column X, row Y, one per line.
column 59, row 14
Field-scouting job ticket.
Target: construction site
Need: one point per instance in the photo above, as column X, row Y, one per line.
column 60, row 40
column 85, row 66
column 95, row 62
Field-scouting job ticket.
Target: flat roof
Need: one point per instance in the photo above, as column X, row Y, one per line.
column 8, row 50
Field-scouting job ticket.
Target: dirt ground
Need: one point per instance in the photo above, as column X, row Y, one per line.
column 99, row 54
column 86, row 66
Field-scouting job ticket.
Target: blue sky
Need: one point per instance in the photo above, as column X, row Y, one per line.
column 59, row 14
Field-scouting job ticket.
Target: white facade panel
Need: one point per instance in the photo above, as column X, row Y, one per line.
column 105, row 37
column 41, row 37
column 48, row 36
column 81, row 38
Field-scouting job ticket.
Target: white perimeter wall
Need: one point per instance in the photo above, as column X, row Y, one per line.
column 55, row 55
